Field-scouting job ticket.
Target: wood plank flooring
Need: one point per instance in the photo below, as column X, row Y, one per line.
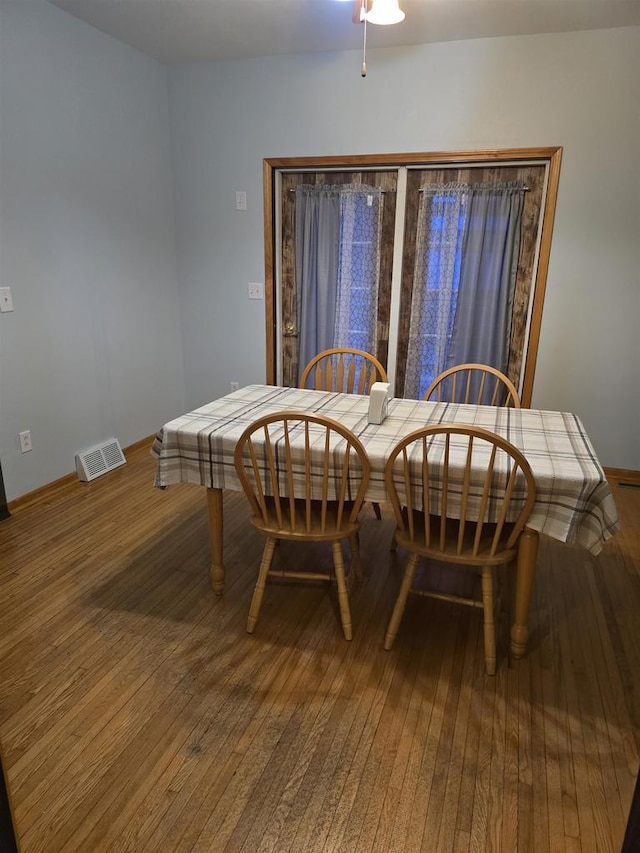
column 137, row 715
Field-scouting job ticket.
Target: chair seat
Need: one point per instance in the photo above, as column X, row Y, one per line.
column 300, row 528
column 451, row 553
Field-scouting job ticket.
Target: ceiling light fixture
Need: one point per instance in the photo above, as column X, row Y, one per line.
column 384, row 12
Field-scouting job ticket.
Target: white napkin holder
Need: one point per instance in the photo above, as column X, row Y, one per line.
column 378, row 402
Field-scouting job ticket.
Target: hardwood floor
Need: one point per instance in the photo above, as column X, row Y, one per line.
column 137, row 715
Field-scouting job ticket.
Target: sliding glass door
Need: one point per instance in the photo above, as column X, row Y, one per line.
column 425, row 264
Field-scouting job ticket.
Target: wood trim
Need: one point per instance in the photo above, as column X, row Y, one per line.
column 623, row 475
column 541, row 276
column 51, row 489
column 550, row 155
column 269, row 282
column 413, row 158
column 143, row 442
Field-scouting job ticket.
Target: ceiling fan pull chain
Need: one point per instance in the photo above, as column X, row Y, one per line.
column 363, row 16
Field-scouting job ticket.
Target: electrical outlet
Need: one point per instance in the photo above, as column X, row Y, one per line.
column 25, row 441
column 256, row 290
column 233, row 386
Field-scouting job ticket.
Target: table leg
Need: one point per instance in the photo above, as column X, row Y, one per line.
column 216, row 571
column 526, row 569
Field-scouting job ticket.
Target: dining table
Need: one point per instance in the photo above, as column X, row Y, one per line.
column 574, row 503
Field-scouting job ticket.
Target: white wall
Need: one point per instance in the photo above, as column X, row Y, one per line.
column 93, row 348
column 578, row 90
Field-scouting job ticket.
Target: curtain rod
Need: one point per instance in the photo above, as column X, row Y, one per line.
column 335, row 186
column 421, row 189
column 433, row 186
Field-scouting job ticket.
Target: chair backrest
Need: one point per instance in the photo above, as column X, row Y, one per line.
column 294, row 465
column 350, row 371
column 466, row 491
column 474, row 383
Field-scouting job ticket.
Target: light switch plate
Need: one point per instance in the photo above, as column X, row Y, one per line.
column 241, row 200
column 6, row 300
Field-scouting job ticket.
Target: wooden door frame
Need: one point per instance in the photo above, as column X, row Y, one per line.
column 548, row 156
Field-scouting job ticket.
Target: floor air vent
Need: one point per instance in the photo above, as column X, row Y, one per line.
column 98, row 460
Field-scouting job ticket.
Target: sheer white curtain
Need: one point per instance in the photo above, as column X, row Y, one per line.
column 358, row 267
column 338, row 235
column 467, row 250
column 435, row 286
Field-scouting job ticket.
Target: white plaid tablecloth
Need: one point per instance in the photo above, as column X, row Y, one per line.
column 574, row 503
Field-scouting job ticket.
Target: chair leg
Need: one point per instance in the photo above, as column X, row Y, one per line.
column 376, row 509
column 401, row 601
column 258, row 592
column 343, row 597
column 489, row 623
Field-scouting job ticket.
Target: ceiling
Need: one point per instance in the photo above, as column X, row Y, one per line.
column 184, row 31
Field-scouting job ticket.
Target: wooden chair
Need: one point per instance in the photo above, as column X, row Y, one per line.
column 349, row 371
column 441, row 510
column 467, row 383
column 286, row 466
